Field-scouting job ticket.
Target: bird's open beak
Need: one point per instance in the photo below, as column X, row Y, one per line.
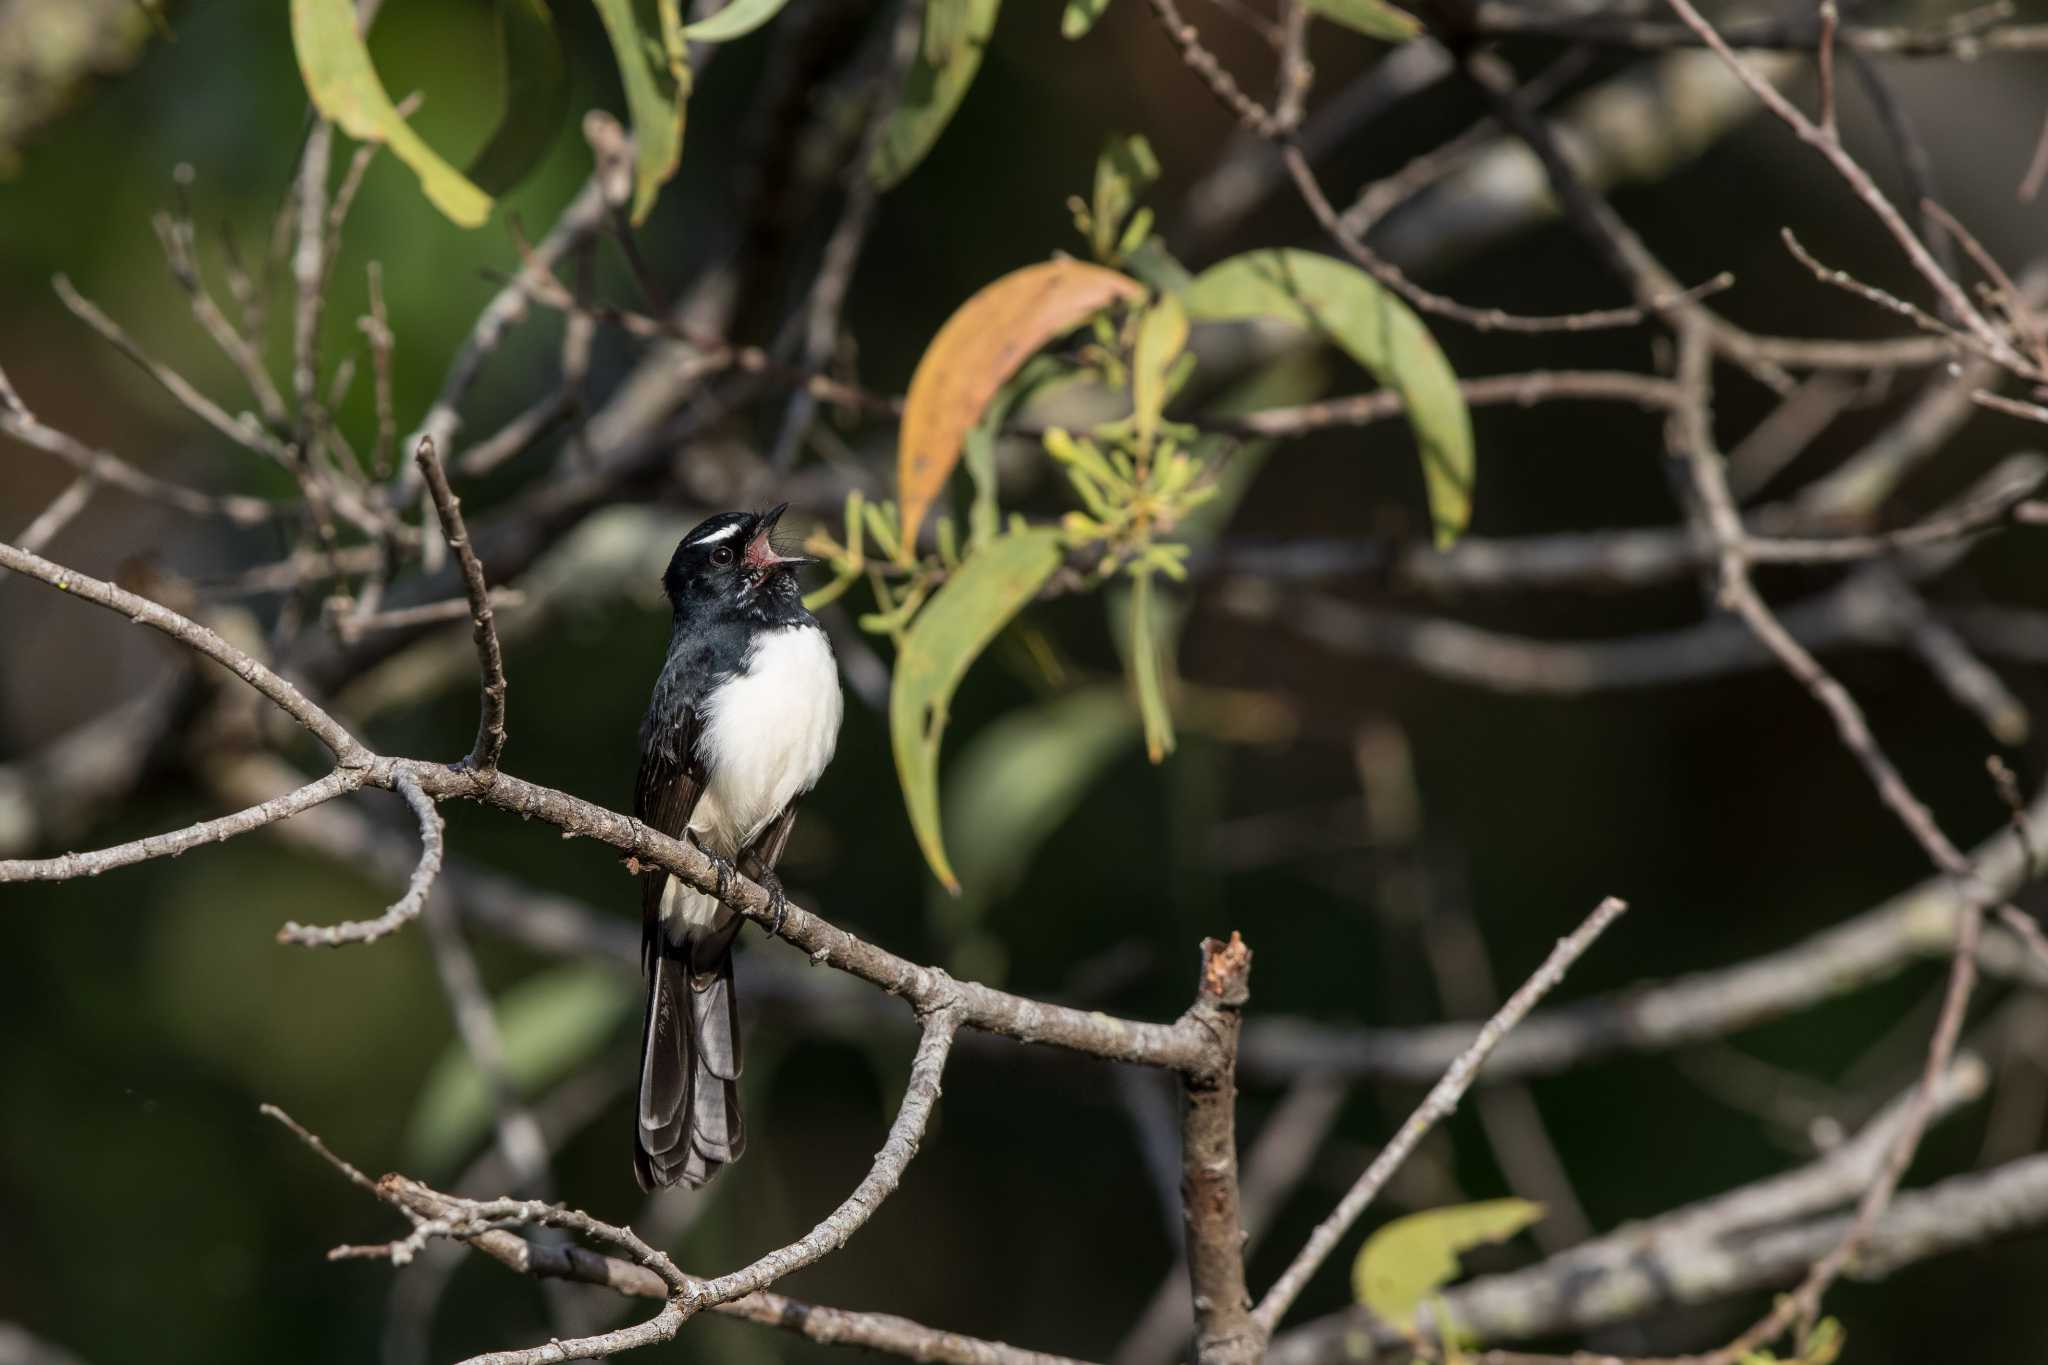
column 762, row 555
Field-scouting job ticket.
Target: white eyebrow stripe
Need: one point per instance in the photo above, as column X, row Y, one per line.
column 720, row 534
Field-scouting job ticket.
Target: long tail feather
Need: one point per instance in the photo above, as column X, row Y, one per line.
column 689, row 1122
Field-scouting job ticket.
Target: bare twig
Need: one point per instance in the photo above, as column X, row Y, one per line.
column 1441, row 1101
column 406, row 907
column 490, row 729
column 69, row 865
column 1852, row 173
column 58, row 514
column 348, row 752
column 248, row 434
column 1750, row 1237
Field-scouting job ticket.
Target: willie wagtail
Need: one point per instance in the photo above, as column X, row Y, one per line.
column 742, row 723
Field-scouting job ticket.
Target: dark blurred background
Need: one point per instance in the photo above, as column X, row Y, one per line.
column 148, row 1212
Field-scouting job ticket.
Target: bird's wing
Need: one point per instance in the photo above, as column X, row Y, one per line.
column 671, row 780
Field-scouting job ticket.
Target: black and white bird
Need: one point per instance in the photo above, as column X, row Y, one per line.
column 743, row 720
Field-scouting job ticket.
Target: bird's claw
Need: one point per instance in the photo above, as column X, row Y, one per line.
column 778, row 903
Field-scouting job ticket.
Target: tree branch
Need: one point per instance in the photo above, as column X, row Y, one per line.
column 1224, row 1331
column 407, row 907
column 490, row 725
column 1439, row 1104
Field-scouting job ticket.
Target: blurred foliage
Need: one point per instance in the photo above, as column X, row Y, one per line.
column 150, row 1213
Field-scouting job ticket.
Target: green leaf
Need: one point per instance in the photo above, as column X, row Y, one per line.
column 933, row 90
column 1149, row 641
column 1016, row 782
column 1373, row 18
column 344, row 87
column 1375, row 329
column 1161, row 336
column 655, row 94
column 1080, row 17
column 1123, row 172
column 1409, row 1259
column 536, row 96
column 736, row 20
column 551, row 1022
column 968, row 611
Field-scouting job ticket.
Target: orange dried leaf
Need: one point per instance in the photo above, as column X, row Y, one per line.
column 980, row 347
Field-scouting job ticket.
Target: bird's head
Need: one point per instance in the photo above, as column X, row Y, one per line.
column 731, row 560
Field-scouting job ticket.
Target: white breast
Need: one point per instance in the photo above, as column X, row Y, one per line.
column 766, row 736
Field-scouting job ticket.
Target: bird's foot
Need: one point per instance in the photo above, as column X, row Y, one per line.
column 778, row 903
column 721, row 870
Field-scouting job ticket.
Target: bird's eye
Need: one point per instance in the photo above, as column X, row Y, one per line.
column 722, row 556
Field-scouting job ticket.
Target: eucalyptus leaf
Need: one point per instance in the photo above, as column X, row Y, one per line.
column 990, row 587
column 1409, row 1259
column 736, row 20
column 657, row 87
column 932, row 90
column 536, row 79
column 343, row 86
column 1151, row 637
column 1375, row 329
column 1373, row 18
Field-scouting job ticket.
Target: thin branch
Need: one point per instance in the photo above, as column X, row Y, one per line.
column 1746, row 1238
column 347, row 751
column 1520, row 390
column 654, row 1275
column 1480, row 319
column 406, row 907
column 1221, row 83
column 170, row 845
column 248, row 434
column 174, row 231
column 1440, row 1103
column 843, row 248
column 1965, row 36
column 583, row 217
column 1852, row 173
column 490, row 728
column 920, row 1095
column 58, row 514
column 1691, row 439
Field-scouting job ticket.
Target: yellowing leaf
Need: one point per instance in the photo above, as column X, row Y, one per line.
column 654, row 96
column 536, row 96
column 1409, row 1259
column 736, row 20
column 956, row 32
column 1373, row 18
column 991, row 585
column 982, row 345
column 344, row 87
column 1375, row 329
